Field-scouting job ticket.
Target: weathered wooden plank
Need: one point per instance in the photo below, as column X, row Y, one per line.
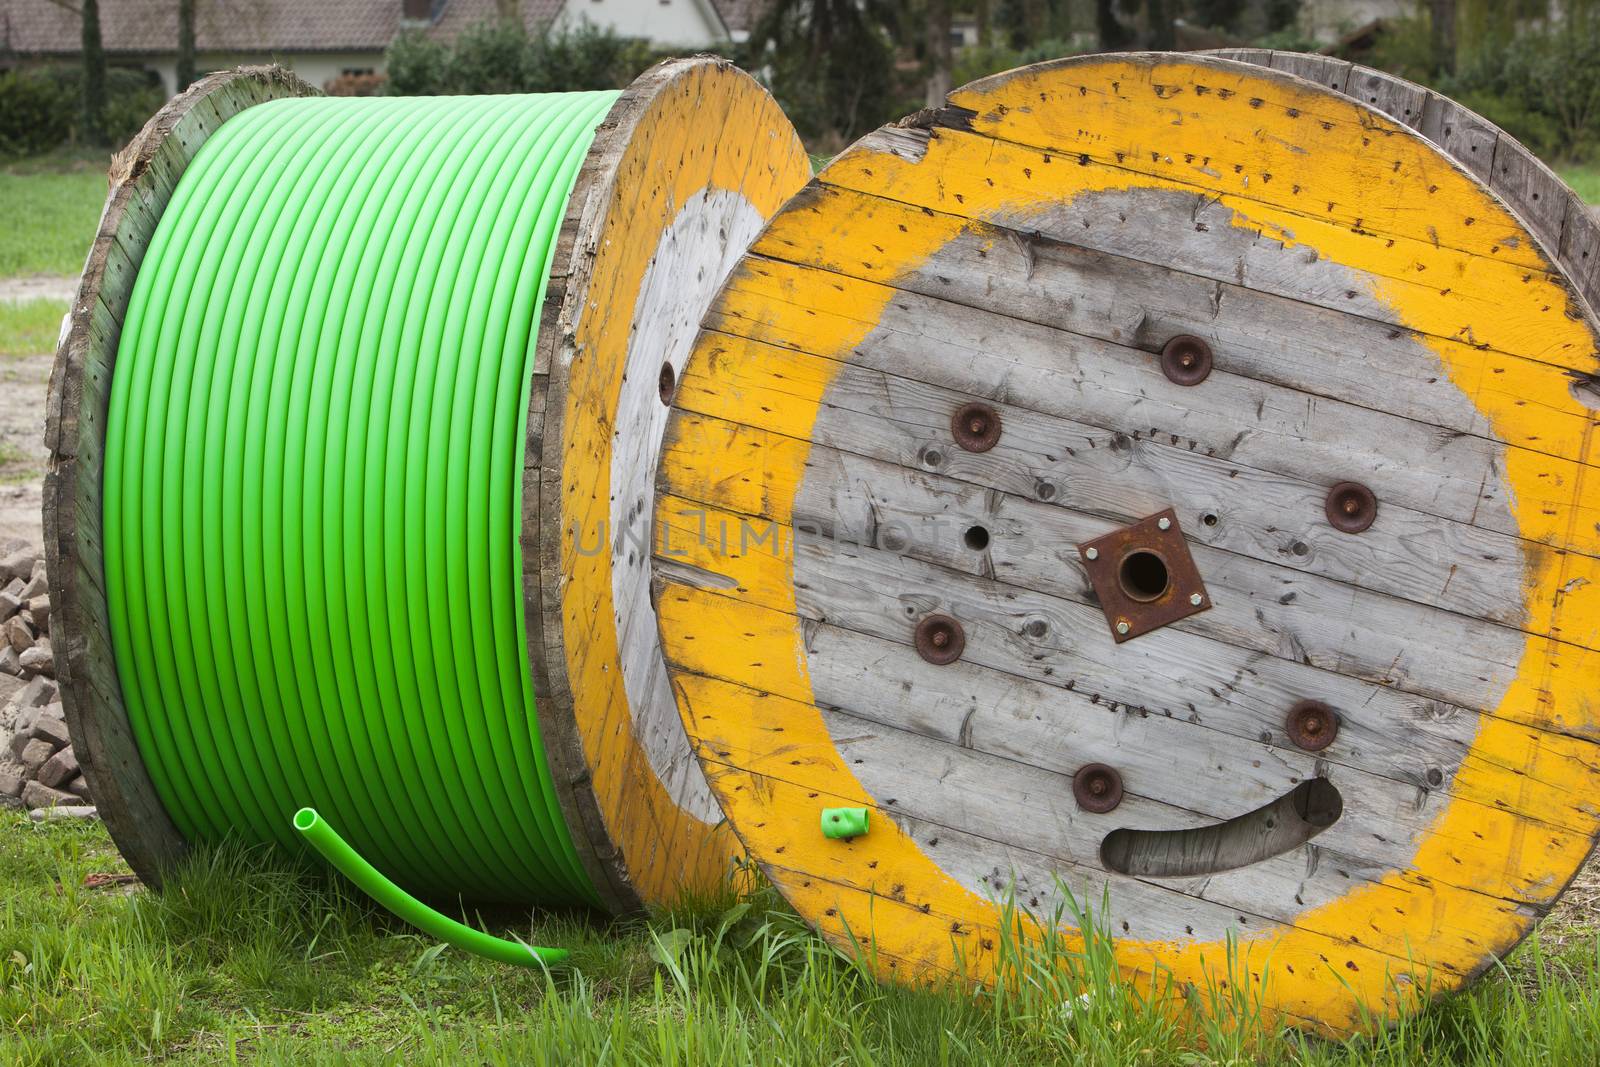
column 1395, row 97
column 1470, row 140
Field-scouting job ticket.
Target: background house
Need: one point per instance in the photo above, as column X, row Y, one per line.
column 323, row 39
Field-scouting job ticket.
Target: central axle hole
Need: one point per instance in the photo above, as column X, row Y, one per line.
column 1143, row 576
column 977, row 538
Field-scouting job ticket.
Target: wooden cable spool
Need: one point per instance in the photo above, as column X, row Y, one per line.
column 1239, row 443
column 687, row 166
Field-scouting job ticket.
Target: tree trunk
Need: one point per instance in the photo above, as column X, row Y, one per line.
column 94, row 75
column 1162, row 33
column 1035, row 22
column 186, row 71
column 1112, row 36
column 508, row 10
column 940, row 60
column 1442, row 35
column 980, row 11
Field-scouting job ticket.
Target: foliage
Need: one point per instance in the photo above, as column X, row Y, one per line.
column 831, row 66
column 1542, row 87
column 42, row 107
column 503, row 57
column 246, row 958
column 979, row 61
column 51, row 207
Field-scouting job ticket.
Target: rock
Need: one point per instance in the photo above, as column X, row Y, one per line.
column 78, row 787
column 10, row 604
column 10, row 661
column 34, row 755
column 40, row 607
column 19, row 633
column 63, row 811
column 37, row 585
column 39, row 795
column 10, row 784
column 9, row 688
column 51, row 726
column 59, row 769
column 19, row 562
column 35, row 693
column 39, row 659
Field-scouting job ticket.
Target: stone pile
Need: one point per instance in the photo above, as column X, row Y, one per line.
column 38, row 768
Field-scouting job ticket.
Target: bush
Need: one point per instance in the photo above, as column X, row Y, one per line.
column 502, row 57
column 1543, row 89
column 42, row 107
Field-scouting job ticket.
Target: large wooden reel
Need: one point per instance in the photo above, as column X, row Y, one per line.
column 1336, row 704
column 689, row 163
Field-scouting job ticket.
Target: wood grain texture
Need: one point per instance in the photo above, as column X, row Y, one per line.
column 693, row 156
column 142, row 178
column 1033, row 246
column 1555, row 214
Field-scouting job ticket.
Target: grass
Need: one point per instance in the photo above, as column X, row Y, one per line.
column 51, row 205
column 244, row 961
column 1585, row 181
column 31, row 327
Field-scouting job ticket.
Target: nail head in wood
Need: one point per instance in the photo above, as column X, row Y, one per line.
column 940, row 639
column 976, row 427
column 1097, row 788
column 1351, row 507
column 1186, row 359
column 1312, row 725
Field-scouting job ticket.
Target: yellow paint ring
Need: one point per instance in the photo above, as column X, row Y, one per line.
column 689, row 132
column 739, row 655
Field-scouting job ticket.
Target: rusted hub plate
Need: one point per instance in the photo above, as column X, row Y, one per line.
column 1144, row 576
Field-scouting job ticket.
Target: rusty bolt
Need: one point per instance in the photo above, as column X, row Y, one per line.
column 1186, row 359
column 1122, row 626
column 976, row 427
column 939, row 639
column 1196, row 599
column 667, row 383
column 1097, row 788
column 1351, row 507
column 1312, row 725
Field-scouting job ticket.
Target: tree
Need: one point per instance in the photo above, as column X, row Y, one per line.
column 1159, row 26
column 1113, row 35
column 186, row 62
column 94, row 75
column 830, row 64
column 941, row 58
column 1442, row 35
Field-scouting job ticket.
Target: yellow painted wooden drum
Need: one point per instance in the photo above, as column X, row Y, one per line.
column 1153, row 476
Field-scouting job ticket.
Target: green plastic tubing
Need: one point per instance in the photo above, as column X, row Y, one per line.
column 313, row 481
column 333, row 848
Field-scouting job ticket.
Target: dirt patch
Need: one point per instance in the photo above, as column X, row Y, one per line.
column 24, row 382
column 39, row 287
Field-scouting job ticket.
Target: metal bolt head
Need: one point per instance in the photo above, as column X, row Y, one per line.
column 1165, row 523
column 1312, row 725
column 1122, row 626
column 1097, row 788
column 939, row 639
column 1196, row 599
column 1186, row 360
column 1351, row 507
column 975, row 427
column 1092, row 553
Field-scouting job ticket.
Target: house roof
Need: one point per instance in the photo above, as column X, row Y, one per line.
column 40, row 27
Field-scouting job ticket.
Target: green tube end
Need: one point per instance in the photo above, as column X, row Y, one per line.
column 306, row 819
column 843, row 823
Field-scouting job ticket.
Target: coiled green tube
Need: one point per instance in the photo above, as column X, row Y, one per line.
column 313, row 484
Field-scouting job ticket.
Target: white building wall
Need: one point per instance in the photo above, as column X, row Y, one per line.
column 681, row 23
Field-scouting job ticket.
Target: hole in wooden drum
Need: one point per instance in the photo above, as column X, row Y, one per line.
column 977, row 538
column 667, row 383
column 1143, row 576
column 1281, row 826
column 1210, row 518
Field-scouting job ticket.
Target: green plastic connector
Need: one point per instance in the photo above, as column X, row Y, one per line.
column 844, row 822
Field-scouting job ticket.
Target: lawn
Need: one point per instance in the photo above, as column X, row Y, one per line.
column 51, row 206
column 1585, row 181
column 241, row 961
column 30, row 327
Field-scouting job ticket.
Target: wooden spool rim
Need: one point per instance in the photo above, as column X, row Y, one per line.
column 142, row 180
column 761, row 734
column 1545, row 204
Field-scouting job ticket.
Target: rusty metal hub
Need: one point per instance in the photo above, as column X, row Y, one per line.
column 1097, row 788
column 1351, row 507
column 1144, row 576
column 1312, row 725
column 976, row 427
column 1186, row 359
column 940, row 640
